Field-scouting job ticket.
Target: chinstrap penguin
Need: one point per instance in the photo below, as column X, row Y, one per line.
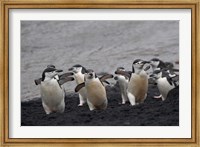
column 78, row 74
column 96, row 92
column 138, row 82
column 52, row 92
column 123, row 84
column 164, row 83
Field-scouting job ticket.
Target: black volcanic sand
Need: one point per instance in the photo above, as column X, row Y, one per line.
column 153, row 112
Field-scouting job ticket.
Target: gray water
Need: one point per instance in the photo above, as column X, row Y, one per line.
column 99, row 45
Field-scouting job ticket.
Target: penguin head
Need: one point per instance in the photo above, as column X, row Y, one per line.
column 169, row 65
column 156, row 74
column 51, row 66
column 90, row 75
column 77, row 69
column 120, row 69
column 118, row 76
column 155, row 62
column 50, row 73
column 138, row 64
column 170, row 72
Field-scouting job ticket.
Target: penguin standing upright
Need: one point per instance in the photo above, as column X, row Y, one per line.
column 52, row 92
column 96, row 92
column 138, row 82
column 158, row 64
column 164, row 83
column 173, row 77
column 78, row 74
column 123, row 84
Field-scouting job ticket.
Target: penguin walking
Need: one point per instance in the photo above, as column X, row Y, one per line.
column 164, row 83
column 96, row 92
column 52, row 92
column 78, row 74
column 138, row 82
column 123, row 84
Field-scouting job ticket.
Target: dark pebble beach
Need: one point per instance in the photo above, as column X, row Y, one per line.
column 153, row 112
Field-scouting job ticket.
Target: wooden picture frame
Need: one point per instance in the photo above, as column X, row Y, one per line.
column 44, row 4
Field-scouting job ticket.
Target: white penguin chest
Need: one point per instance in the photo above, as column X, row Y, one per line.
column 123, row 82
column 51, row 91
column 79, row 78
column 96, row 91
column 164, row 86
column 138, row 82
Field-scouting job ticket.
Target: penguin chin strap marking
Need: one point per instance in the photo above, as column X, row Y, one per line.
column 133, row 69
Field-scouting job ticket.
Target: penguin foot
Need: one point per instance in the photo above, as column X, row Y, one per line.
column 80, row 105
column 158, row 97
column 123, row 103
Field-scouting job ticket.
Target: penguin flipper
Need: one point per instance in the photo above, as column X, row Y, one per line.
column 106, row 82
column 124, row 73
column 169, row 80
column 79, row 86
column 147, row 68
column 64, row 80
column 65, row 75
column 175, row 70
column 104, row 77
column 38, row 81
